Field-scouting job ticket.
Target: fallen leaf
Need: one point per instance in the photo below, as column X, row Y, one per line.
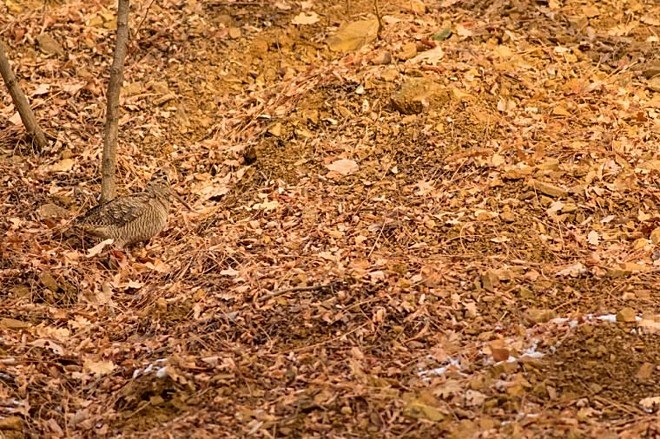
column 48, row 344
column 462, row 31
column 432, row 56
column 423, row 187
column 63, row 165
column 548, row 189
column 16, row 119
column 573, row 270
column 474, row 398
column 229, row 272
column 13, row 324
column 135, row 285
column 650, row 404
column 343, row 166
column 98, row 248
column 72, row 89
column 267, row 205
column 419, row 410
column 306, row 18
column 354, row 35
column 560, row 111
column 282, row 5
column 650, row 325
column 98, row 368
column 590, row 11
column 650, row 20
column 41, row 90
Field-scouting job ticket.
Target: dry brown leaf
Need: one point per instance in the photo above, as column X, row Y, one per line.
column 306, row 18
column 651, row 404
column 354, row 35
column 98, row 368
column 98, row 248
column 63, row 165
column 574, row 270
column 343, row 166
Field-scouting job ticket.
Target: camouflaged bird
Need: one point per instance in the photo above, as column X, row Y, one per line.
column 133, row 218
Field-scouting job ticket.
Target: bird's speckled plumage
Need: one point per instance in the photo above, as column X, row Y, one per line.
column 131, row 218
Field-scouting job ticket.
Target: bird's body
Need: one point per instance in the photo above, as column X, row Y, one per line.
column 133, row 218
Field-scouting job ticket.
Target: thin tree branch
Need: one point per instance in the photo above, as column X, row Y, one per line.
column 380, row 20
column 20, row 101
column 109, row 161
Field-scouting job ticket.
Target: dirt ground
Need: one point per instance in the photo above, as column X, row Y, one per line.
column 437, row 221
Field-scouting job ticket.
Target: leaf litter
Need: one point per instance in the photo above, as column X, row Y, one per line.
column 448, row 230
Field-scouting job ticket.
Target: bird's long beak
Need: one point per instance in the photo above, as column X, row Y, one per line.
column 180, row 200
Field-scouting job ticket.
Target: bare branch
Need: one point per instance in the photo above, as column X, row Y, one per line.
column 379, row 16
column 109, row 161
column 20, row 102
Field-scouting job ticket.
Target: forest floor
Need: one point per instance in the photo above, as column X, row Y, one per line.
column 450, row 228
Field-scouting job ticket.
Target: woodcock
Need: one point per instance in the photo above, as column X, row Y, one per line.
column 133, row 218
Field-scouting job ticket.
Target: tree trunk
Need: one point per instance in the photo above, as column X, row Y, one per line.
column 109, row 161
column 20, row 102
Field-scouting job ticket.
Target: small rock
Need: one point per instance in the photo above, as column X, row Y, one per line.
column 537, row 315
column 234, row 33
column 408, row 51
column 507, row 215
column 626, row 315
column 389, row 74
column 498, row 350
column 383, row 57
